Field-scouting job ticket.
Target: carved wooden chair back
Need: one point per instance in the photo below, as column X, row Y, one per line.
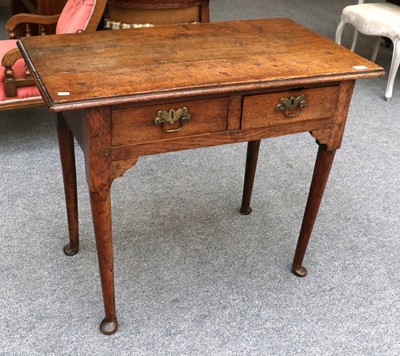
column 16, row 85
column 138, row 13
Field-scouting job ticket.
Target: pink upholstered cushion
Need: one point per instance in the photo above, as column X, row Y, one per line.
column 23, row 93
column 75, row 16
column 19, row 70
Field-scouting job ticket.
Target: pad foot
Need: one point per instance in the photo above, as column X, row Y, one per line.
column 71, row 250
column 245, row 210
column 299, row 271
column 108, row 327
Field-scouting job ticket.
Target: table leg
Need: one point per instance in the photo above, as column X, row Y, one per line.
column 253, row 148
column 322, row 169
column 101, row 211
column 67, row 155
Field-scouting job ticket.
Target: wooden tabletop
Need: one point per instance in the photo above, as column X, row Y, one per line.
column 112, row 67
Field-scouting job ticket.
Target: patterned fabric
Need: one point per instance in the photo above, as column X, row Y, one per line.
column 114, row 25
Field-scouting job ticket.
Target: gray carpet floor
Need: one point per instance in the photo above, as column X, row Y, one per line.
column 193, row 276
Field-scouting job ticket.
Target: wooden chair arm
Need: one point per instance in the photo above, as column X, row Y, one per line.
column 11, row 57
column 29, row 19
column 25, row 18
column 11, row 82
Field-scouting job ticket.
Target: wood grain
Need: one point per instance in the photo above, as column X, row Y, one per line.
column 197, row 59
column 136, row 125
column 260, row 110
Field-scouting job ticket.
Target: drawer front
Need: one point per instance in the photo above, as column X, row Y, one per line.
column 166, row 121
column 270, row 110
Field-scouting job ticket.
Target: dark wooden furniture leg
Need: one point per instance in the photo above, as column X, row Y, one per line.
column 67, row 155
column 253, row 148
column 320, row 177
column 101, row 211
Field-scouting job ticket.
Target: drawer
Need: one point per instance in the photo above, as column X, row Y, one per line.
column 268, row 110
column 136, row 125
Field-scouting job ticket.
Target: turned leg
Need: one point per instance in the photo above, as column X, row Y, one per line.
column 101, row 211
column 322, row 168
column 253, row 148
column 67, row 155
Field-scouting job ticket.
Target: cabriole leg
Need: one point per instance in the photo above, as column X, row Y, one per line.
column 393, row 69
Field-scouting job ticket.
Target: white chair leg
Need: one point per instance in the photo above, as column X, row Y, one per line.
column 376, row 49
column 393, row 69
column 355, row 37
column 339, row 32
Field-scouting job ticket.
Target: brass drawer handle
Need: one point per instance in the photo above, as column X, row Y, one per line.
column 291, row 107
column 171, row 117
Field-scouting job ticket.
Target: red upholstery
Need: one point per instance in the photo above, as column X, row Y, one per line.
column 74, row 17
column 23, row 93
column 19, row 69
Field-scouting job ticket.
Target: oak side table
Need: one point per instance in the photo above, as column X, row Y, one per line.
column 125, row 94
